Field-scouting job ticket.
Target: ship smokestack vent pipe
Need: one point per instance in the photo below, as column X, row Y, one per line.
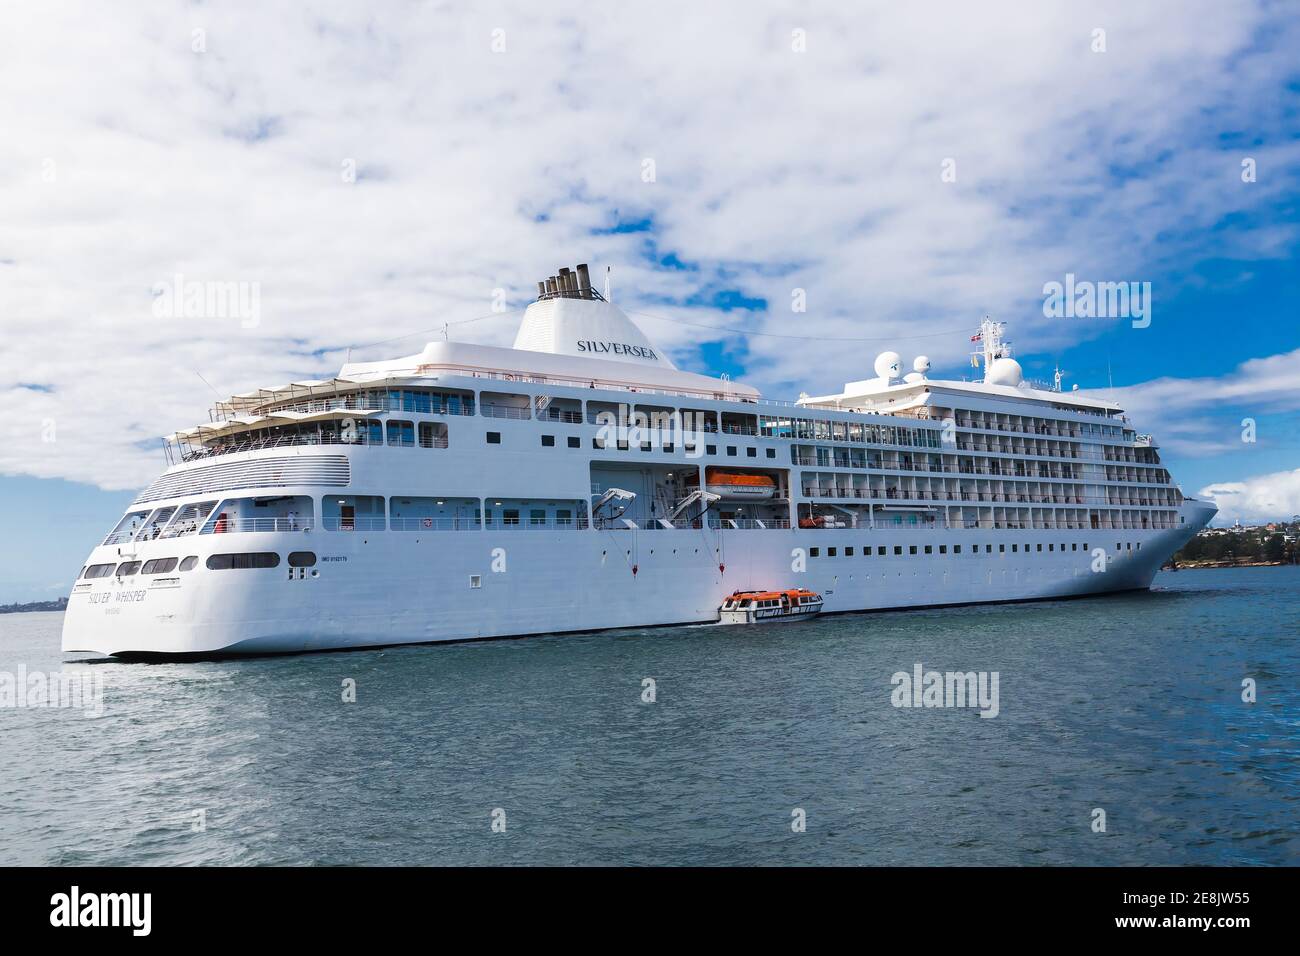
column 584, row 281
column 541, row 289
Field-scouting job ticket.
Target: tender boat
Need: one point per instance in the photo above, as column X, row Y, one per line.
column 731, row 484
column 762, row 607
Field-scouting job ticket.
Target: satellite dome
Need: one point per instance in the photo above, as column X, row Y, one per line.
column 888, row 365
column 920, row 367
column 1004, row 371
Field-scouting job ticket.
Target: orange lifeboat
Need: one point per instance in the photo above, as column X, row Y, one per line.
column 762, row 607
column 735, row 484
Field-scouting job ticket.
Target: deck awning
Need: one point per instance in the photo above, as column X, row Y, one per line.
column 304, row 391
column 245, row 423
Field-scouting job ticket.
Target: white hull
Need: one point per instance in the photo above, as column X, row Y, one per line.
column 403, row 588
column 392, row 464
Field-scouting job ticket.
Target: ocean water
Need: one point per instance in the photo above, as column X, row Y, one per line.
column 1129, row 704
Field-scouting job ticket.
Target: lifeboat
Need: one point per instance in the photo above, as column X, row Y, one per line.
column 734, row 484
column 764, row 607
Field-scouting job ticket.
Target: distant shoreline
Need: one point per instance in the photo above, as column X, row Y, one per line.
column 60, row 605
column 1202, row 565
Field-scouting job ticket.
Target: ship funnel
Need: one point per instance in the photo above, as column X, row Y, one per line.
column 569, row 284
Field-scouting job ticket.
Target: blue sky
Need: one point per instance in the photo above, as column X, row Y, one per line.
column 377, row 173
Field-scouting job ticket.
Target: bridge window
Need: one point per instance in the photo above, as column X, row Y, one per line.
column 128, row 568
column 98, row 571
column 189, row 563
column 127, row 527
column 159, row 566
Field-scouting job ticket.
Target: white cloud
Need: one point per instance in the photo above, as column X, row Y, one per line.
column 129, row 158
column 1204, row 416
column 1260, row 499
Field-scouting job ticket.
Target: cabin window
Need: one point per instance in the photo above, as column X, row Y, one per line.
column 1002, row 549
column 832, row 552
column 731, row 450
column 433, row 435
column 929, row 549
column 475, row 581
column 710, row 449
column 848, row 552
column 956, row 549
column 159, row 566
column 771, row 453
column 548, row 441
column 494, row 438
column 751, row 452
column 898, row 549
column 189, row 563
column 814, row 552
column 302, row 559
column 253, row 559
column 575, row 442
column 401, row 433
column 1015, row 548
column 943, row 549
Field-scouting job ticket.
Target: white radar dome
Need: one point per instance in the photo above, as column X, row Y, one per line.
column 919, row 368
column 1004, row 371
column 888, row 365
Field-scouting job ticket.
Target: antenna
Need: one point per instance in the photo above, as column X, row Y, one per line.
column 208, row 384
column 608, row 269
column 990, row 336
column 1056, row 379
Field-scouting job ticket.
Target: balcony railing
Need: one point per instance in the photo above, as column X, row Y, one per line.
column 505, row 411
column 362, row 437
column 247, row 525
column 354, row 403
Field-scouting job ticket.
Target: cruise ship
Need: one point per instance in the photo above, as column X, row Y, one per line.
column 581, row 481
